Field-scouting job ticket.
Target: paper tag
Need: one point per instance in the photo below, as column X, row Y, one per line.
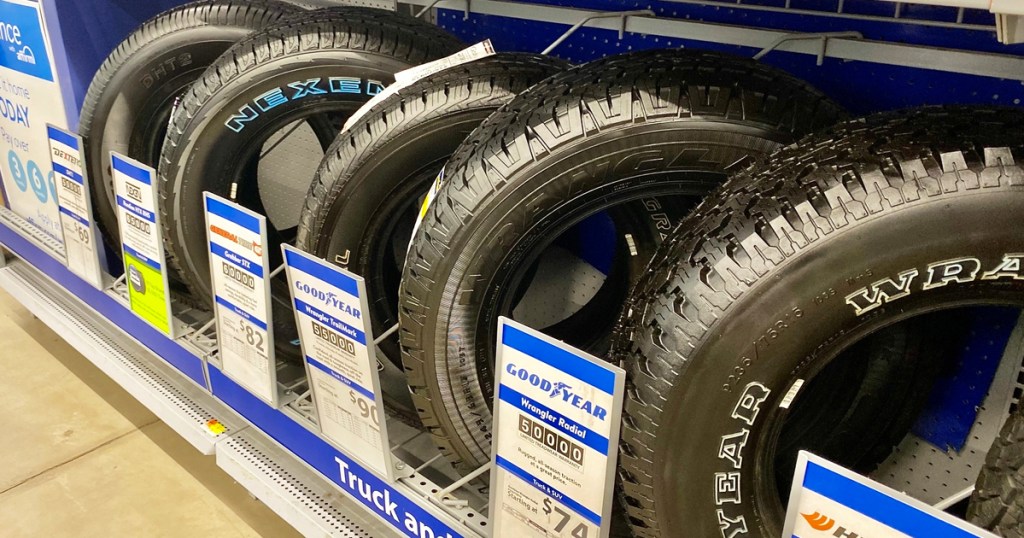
column 75, row 204
column 241, row 291
column 141, row 242
column 556, row 430
column 337, row 343
column 407, row 77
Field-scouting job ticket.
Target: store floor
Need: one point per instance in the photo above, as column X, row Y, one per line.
column 80, row 457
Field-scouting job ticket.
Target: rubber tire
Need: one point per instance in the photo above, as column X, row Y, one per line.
column 516, row 181
column 386, row 162
column 201, row 154
column 130, row 99
column 750, row 294
column 998, row 500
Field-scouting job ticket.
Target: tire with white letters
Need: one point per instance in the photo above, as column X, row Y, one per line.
column 130, row 99
column 323, row 64
column 550, row 209
column 754, row 313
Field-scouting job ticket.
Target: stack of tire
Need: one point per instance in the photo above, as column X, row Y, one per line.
column 696, row 217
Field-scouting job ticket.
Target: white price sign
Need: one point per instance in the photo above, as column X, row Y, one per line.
column 142, row 246
column 241, row 286
column 556, row 428
column 76, row 221
column 337, row 342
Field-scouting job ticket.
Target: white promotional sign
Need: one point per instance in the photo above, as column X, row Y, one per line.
column 241, row 287
column 30, row 98
column 142, row 244
column 337, row 342
column 828, row 500
column 80, row 248
column 407, row 77
column 556, row 430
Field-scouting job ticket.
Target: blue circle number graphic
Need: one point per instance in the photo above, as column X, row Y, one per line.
column 17, row 170
column 35, row 176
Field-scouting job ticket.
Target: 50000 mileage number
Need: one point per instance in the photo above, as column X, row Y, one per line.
column 551, row 439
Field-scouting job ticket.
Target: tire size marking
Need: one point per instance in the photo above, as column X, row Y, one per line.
column 936, row 275
column 728, row 484
column 764, row 341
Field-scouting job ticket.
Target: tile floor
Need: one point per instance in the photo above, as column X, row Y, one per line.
column 80, row 457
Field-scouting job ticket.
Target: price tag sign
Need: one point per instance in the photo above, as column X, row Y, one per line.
column 556, row 429
column 75, row 205
column 828, row 500
column 337, row 342
column 241, row 289
column 141, row 242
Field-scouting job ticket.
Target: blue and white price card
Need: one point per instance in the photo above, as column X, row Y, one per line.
column 341, row 362
column 142, row 244
column 75, row 206
column 556, row 430
column 239, row 273
column 830, row 501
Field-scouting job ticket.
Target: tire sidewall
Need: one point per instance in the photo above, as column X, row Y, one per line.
column 603, row 168
column 211, row 153
column 776, row 333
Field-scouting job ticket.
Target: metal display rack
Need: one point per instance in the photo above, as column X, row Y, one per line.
column 907, row 53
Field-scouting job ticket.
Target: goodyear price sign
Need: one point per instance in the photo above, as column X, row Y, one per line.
column 337, row 342
column 556, row 424
column 241, row 286
column 142, row 242
column 830, row 501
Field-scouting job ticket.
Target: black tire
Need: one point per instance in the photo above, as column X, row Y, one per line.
column 130, row 99
column 209, row 146
column 366, row 195
column 757, row 290
column 562, row 151
column 998, row 500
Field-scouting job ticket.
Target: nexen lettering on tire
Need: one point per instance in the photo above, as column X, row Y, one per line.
column 300, row 89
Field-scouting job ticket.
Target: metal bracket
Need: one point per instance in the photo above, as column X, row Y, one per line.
column 428, row 7
column 824, row 37
column 603, row 15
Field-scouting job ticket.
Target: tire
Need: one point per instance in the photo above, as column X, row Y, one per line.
column 777, row 276
column 367, row 192
column 214, row 140
column 130, row 99
column 559, row 155
column 998, row 500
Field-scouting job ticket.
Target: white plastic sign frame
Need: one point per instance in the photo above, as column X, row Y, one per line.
column 828, row 500
column 142, row 242
column 340, row 355
column 81, row 250
column 240, row 279
column 557, row 416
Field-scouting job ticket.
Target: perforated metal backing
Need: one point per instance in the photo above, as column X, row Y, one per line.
column 940, row 477
column 288, row 162
column 306, row 494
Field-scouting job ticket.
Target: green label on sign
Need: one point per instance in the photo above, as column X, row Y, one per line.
column 146, row 293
